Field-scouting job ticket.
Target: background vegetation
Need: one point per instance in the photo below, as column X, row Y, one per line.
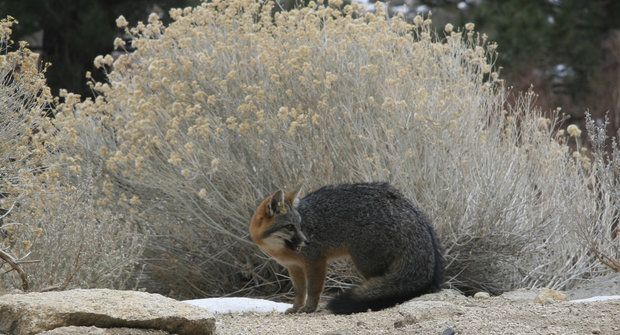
column 567, row 49
column 158, row 173
column 69, row 34
column 50, row 226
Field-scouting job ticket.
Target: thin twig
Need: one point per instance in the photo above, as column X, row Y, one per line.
column 69, row 278
column 15, row 265
column 610, row 262
column 8, row 211
column 77, row 264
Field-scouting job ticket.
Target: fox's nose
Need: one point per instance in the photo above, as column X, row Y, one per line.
column 304, row 239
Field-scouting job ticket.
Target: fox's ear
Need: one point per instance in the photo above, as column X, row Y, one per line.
column 276, row 204
column 293, row 197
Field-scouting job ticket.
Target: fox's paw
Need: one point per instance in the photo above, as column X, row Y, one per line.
column 304, row 309
column 292, row 310
column 308, row 309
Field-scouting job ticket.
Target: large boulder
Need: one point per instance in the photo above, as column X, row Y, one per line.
column 31, row 313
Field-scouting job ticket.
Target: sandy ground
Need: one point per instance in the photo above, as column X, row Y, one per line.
column 449, row 313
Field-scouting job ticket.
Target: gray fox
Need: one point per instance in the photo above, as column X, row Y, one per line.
column 390, row 241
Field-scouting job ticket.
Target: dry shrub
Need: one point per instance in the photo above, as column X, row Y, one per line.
column 24, row 141
column 81, row 245
column 229, row 103
column 601, row 233
column 51, row 225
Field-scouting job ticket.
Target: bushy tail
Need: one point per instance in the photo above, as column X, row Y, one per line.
column 350, row 301
column 394, row 288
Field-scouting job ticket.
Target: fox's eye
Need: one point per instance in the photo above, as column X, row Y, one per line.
column 289, row 227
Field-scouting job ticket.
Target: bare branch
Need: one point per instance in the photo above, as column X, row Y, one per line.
column 613, row 264
column 15, row 265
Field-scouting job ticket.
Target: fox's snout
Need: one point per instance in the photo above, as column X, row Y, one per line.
column 297, row 241
column 304, row 239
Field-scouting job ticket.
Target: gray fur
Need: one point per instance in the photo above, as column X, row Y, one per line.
column 391, row 242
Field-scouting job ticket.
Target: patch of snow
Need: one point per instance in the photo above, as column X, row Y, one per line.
column 404, row 9
column 423, row 9
column 598, row 298
column 370, row 7
column 239, row 305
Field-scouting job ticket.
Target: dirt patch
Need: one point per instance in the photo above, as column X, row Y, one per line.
column 441, row 314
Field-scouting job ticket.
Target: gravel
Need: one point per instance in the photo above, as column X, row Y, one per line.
column 442, row 313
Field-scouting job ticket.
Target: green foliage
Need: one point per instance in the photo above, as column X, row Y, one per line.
column 515, row 24
column 543, row 34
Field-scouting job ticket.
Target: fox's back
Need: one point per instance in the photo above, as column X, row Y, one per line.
column 362, row 217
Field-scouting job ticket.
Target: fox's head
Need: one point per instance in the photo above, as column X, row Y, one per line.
column 276, row 224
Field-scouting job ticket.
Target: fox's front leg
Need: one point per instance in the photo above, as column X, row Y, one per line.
column 298, row 277
column 315, row 278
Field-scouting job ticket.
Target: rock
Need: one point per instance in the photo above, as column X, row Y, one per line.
column 73, row 330
column 32, row 313
column 539, row 296
column 597, row 286
column 547, row 295
column 430, row 306
column 482, row 295
column 443, row 295
column 404, row 322
column 448, row 331
column 522, row 294
column 417, row 311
